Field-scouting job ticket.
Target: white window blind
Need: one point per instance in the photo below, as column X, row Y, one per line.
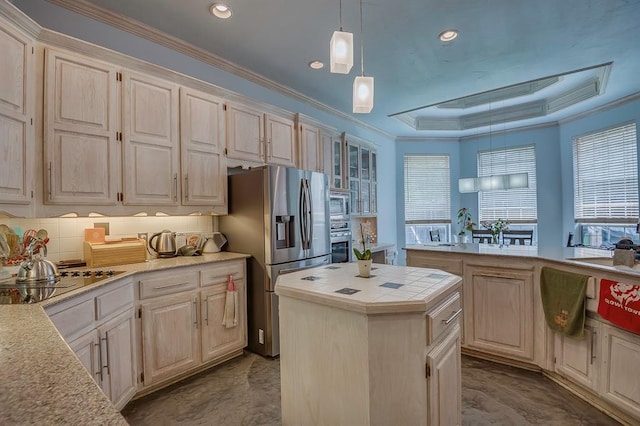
column 515, row 205
column 427, row 189
column 605, row 172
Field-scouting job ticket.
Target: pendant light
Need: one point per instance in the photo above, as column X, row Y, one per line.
column 362, row 86
column 341, row 50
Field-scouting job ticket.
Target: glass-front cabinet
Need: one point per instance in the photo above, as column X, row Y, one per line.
column 337, row 174
column 361, row 166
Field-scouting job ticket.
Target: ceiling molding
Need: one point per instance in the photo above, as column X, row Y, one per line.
column 147, row 32
column 413, row 139
column 617, row 102
column 19, row 19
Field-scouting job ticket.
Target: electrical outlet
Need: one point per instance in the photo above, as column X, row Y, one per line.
column 261, row 336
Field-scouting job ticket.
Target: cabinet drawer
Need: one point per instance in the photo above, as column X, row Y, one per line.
column 220, row 273
column 74, row 319
column 114, row 301
column 442, row 317
column 169, row 284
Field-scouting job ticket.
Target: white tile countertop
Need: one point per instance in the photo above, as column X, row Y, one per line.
column 390, row 289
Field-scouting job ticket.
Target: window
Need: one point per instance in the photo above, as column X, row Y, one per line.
column 515, row 205
column 427, row 197
column 605, row 178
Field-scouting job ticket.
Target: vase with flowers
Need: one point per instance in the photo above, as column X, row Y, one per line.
column 365, row 256
column 466, row 223
column 496, row 228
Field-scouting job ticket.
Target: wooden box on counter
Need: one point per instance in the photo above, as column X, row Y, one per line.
column 111, row 254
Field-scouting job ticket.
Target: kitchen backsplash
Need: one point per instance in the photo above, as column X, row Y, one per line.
column 66, row 235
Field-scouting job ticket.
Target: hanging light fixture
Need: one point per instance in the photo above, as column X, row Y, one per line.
column 493, row 182
column 341, row 50
column 362, row 86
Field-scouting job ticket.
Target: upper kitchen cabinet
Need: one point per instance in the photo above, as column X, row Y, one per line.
column 16, row 118
column 204, row 178
column 259, row 137
column 150, row 141
column 315, row 144
column 80, row 125
column 361, row 167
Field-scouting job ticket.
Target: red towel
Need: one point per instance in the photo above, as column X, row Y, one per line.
column 230, row 316
column 620, row 304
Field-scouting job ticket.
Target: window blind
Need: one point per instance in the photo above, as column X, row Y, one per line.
column 427, row 189
column 515, row 205
column 605, row 172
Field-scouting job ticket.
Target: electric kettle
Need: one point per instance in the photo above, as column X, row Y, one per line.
column 165, row 243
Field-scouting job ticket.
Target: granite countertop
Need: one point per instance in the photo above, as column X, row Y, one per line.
column 41, row 379
column 390, row 289
column 576, row 256
column 380, row 246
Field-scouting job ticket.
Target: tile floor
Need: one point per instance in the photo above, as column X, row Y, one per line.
column 245, row 391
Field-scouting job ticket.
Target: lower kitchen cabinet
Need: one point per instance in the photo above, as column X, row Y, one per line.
column 498, row 305
column 578, row 359
column 620, row 383
column 444, row 382
column 170, row 341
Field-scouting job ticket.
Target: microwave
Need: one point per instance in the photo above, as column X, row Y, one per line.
column 339, row 206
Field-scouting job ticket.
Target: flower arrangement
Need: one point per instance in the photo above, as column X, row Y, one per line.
column 495, row 228
column 367, row 235
column 465, row 221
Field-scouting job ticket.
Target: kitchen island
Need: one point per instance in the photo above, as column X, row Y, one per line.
column 378, row 351
column 504, row 317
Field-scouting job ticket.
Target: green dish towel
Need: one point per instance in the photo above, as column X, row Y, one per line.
column 563, row 300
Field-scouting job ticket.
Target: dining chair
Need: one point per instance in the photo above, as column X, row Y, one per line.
column 434, row 235
column 515, row 236
column 482, row 236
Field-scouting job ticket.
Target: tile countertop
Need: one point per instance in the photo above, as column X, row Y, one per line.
column 41, row 379
column 568, row 255
column 390, row 289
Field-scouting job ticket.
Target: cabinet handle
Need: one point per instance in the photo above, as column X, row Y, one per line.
column 175, row 187
column 106, row 339
column 186, row 187
column 452, row 317
column 593, row 346
column 99, row 372
column 161, row 287
column 206, row 310
column 50, row 174
column 195, row 311
column 260, row 147
column 269, row 149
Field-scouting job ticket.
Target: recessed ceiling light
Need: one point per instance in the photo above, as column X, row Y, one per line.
column 316, row 65
column 448, row 35
column 220, row 10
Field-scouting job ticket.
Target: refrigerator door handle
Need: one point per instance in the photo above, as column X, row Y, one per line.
column 310, row 215
column 303, row 214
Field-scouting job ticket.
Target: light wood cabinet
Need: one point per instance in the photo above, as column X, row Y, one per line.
column 361, row 159
column 315, row 145
column 444, row 381
column 170, row 336
column 620, row 361
column 579, row 359
column 80, row 125
column 150, row 141
column 204, row 170
column 498, row 304
column 433, row 260
column 259, row 137
column 16, row 114
column 218, row 340
column 338, row 180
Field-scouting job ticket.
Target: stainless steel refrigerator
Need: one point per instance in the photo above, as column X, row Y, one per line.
column 280, row 216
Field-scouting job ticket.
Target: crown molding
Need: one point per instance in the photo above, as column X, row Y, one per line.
column 147, row 32
column 19, row 19
column 427, row 139
column 601, row 108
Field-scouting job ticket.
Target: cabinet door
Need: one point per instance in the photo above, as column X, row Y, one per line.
column 337, row 166
column 245, row 133
column 281, row 140
column 353, row 168
column 218, row 340
column 86, row 349
column 16, row 131
column 325, row 146
column 309, row 153
column 578, row 359
column 118, row 351
column 444, row 381
column 498, row 306
column 373, row 201
column 170, row 341
column 204, row 172
column 80, row 130
column 620, row 361
column 150, row 141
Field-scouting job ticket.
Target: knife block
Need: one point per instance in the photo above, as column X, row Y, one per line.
column 114, row 254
